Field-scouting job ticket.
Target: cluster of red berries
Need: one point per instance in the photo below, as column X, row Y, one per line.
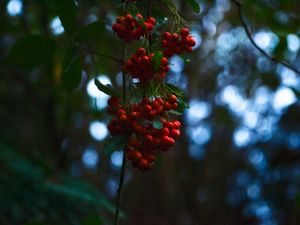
column 137, row 121
column 177, row 43
column 130, row 29
column 140, row 65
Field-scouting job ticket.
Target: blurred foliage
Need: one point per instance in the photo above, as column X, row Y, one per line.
column 46, row 115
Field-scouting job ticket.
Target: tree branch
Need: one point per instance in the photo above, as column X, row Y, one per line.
column 123, row 168
column 272, row 58
column 97, row 53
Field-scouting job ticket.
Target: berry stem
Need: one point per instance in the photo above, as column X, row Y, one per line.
column 149, row 12
column 120, row 188
column 119, row 198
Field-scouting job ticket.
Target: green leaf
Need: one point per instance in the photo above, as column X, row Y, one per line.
column 186, row 60
column 91, row 32
column 31, row 51
column 92, row 220
column 182, row 105
column 19, row 165
column 175, row 90
column 71, row 74
column 115, row 143
column 67, row 10
column 175, row 112
column 107, row 89
column 157, row 124
column 80, row 190
column 195, row 5
column 156, row 60
column 139, row 20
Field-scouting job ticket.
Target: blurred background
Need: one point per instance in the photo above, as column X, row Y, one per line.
column 237, row 162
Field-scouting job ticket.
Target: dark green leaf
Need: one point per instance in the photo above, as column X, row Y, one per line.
column 115, row 143
column 19, row 165
column 176, row 112
column 71, row 74
column 156, row 60
column 186, row 60
column 182, row 105
column 140, row 21
column 81, row 190
column 92, row 220
column 106, row 89
column 157, row 124
column 31, row 51
column 175, row 90
column 195, row 5
column 91, row 32
column 67, row 10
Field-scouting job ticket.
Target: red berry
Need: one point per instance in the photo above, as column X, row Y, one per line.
column 172, row 98
column 141, row 52
column 184, row 32
column 136, row 156
column 152, row 20
column 143, row 164
column 166, row 35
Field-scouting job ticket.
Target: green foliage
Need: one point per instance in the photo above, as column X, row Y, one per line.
column 174, row 90
column 195, row 5
column 71, row 72
column 115, row 143
column 92, row 220
column 31, row 51
column 81, row 190
column 67, row 10
column 38, row 192
column 157, row 124
column 156, row 60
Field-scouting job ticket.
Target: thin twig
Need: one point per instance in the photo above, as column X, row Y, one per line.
column 272, row 58
column 96, row 53
column 120, row 188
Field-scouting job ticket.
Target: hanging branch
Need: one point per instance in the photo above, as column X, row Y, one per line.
column 122, row 175
column 97, row 53
column 272, row 58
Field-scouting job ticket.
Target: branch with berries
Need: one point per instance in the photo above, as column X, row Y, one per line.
column 143, row 122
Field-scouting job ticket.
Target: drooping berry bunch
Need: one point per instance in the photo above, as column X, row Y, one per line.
column 139, row 122
column 177, row 43
column 131, row 28
column 140, row 65
column 145, row 121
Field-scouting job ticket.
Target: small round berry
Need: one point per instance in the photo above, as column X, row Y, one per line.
column 184, row 32
column 136, row 156
column 167, row 35
column 172, row 98
column 141, row 52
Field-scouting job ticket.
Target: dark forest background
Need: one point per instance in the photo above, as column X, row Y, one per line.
column 238, row 160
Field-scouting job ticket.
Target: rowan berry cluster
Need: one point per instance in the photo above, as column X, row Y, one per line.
column 137, row 121
column 140, row 65
column 146, row 122
column 131, row 29
column 177, row 43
